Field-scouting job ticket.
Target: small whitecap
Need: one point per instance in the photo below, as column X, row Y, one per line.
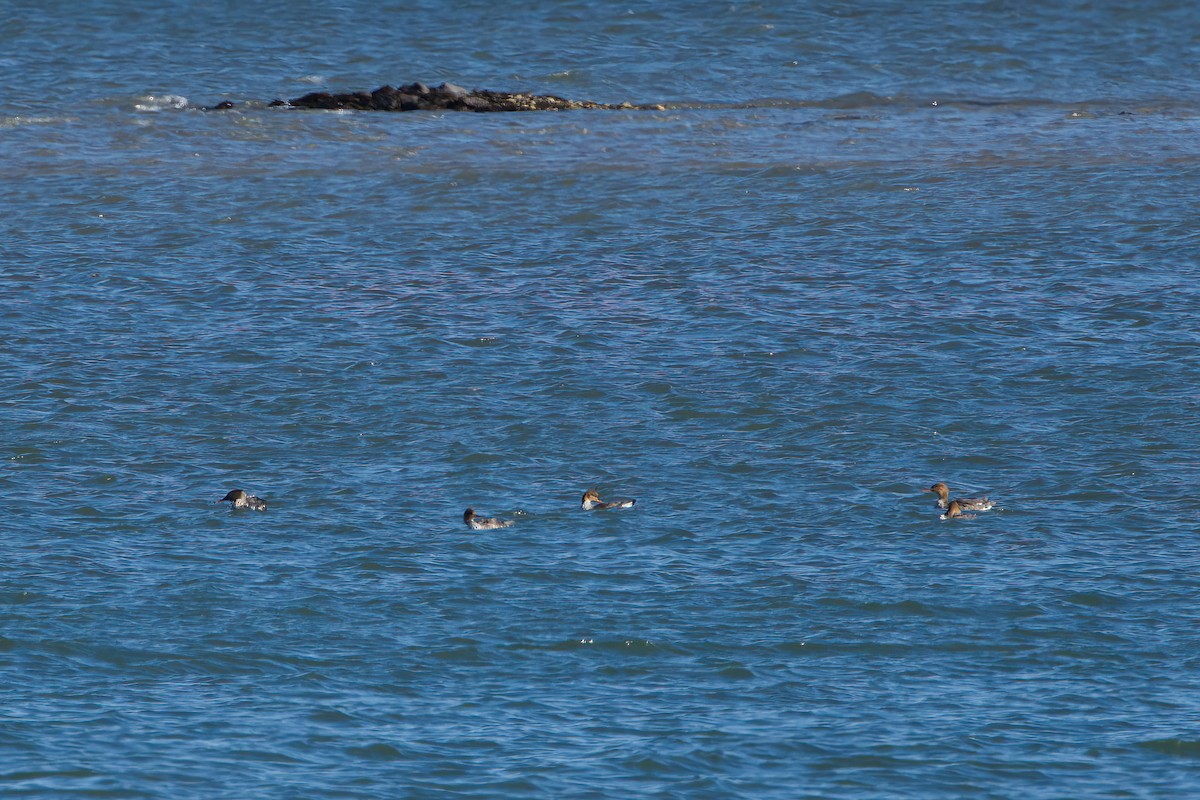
column 16, row 122
column 158, row 102
column 315, row 79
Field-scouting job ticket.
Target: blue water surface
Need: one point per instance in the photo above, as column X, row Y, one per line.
column 863, row 248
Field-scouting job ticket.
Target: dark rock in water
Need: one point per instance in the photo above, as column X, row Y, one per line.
column 385, row 98
column 473, row 103
column 450, row 90
column 314, row 100
column 447, row 97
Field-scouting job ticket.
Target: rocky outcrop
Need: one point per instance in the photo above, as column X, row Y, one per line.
column 447, row 97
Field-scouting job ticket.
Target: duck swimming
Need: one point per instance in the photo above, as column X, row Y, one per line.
column 964, row 503
column 955, row 511
column 242, row 500
column 484, row 523
column 592, row 502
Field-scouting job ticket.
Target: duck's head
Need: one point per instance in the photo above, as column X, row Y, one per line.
column 233, row 496
column 940, row 489
column 468, row 515
column 591, row 495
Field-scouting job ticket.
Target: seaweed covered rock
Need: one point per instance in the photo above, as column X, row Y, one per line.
column 447, row 97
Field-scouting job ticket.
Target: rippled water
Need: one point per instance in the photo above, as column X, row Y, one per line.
column 864, row 248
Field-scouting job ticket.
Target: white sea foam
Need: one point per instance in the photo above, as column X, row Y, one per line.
column 18, row 121
column 160, row 102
